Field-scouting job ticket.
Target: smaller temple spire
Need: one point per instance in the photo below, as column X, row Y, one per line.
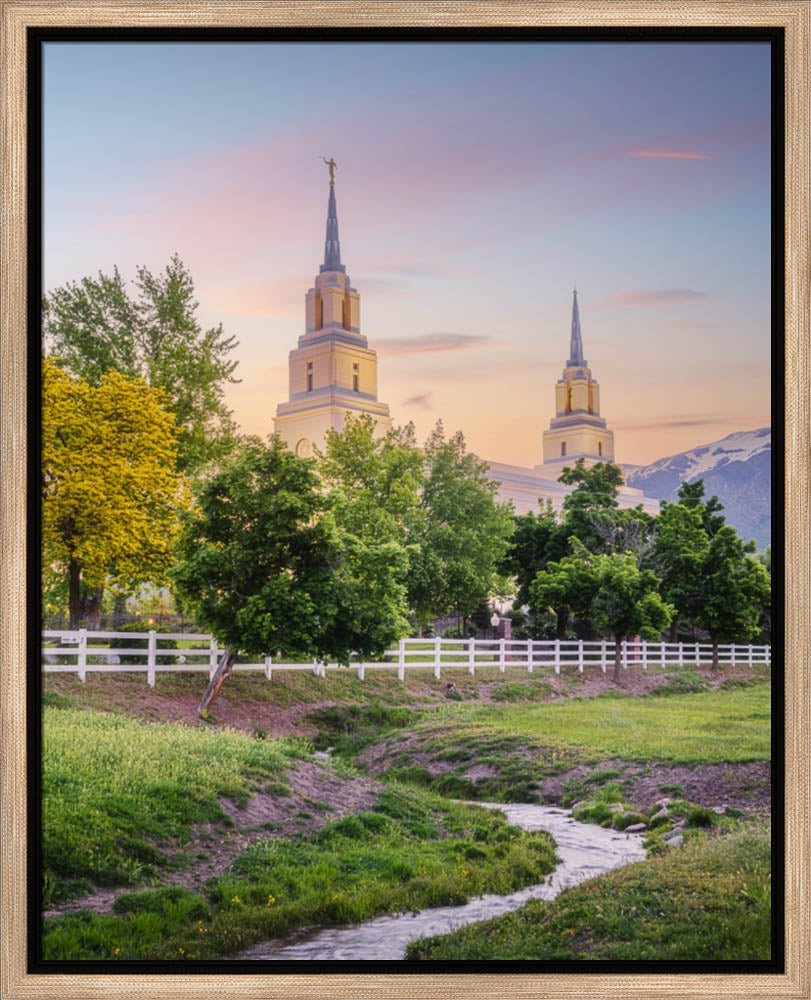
column 576, row 346
column 332, row 246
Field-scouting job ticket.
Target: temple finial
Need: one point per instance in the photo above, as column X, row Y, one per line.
column 576, row 345
column 332, row 246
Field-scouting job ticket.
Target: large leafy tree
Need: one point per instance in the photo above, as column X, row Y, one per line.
column 734, row 590
column 626, row 602
column 460, row 534
column 267, row 567
column 375, row 480
column 110, row 489
column 528, row 551
column 691, row 495
column 566, row 588
column 96, row 326
column 679, row 549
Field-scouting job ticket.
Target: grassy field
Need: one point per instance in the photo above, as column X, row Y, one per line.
column 116, row 790
column 517, row 746
column 113, row 788
column 712, row 726
column 709, row 899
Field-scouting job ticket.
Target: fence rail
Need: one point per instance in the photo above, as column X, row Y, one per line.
column 82, row 651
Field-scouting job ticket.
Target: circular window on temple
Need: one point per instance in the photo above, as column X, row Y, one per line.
column 303, row 448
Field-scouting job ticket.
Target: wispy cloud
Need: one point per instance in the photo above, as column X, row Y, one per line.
column 430, row 343
column 667, row 155
column 422, row 401
column 654, row 297
column 697, row 421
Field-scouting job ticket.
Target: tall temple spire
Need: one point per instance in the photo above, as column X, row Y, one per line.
column 576, row 345
column 332, row 247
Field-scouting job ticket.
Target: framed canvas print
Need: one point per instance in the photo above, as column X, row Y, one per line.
column 405, row 537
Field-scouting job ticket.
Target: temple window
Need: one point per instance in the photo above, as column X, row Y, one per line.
column 309, row 376
column 562, row 448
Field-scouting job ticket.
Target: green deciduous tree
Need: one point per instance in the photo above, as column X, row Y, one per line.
column 110, row 490
column 565, row 588
column 692, row 495
column 460, row 534
column 734, row 590
column 267, row 567
column 679, row 549
column 626, row 602
column 95, row 326
column 528, row 550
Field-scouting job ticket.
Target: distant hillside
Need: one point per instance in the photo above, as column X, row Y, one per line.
column 737, row 469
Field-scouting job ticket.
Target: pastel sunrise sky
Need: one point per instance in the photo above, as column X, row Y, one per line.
column 476, row 184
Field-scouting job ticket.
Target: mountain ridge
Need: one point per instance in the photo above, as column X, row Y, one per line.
column 736, row 469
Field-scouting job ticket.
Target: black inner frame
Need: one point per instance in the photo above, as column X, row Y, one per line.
column 36, row 36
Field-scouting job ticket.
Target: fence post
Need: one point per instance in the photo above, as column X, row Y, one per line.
column 603, row 651
column 750, row 654
column 437, row 656
column 401, row 660
column 530, row 649
column 644, row 654
column 82, row 659
column 580, row 655
column 557, row 656
column 769, row 655
column 471, row 656
column 212, row 657
column 698, row 654
column 624, row 653
column 268, row 667
column 663, row 654
column 501, row 661
column 151, row 659
column 361, row 672
column 315, row 668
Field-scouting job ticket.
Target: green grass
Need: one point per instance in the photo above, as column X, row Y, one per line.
column 708, row 727
column 114, row 788
column 413, row 851
column 709, row 899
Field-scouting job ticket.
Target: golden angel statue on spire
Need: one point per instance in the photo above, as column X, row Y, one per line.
column 332, row 168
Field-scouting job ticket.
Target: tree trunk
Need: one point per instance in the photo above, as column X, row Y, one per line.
column 223, row 670
column 93, row 605
column 714, row 653
column 74, row 594
column 674, row 630
column 119, row 610
column 563, row 620
column 618, row 641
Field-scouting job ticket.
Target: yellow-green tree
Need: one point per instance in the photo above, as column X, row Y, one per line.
column 110, row 488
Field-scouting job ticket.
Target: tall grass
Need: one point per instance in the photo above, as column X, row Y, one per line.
column 114, row 788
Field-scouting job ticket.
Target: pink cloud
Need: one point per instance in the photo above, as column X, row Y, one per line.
column 430, row 343
column 422, row 401
column 656, row 155
column 654, row 297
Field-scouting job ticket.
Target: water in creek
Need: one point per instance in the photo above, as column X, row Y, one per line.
column 584, row 851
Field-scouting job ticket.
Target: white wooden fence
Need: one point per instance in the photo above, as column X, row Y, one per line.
column 84, row 651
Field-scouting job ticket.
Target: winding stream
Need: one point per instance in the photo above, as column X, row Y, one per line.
column 584, row 850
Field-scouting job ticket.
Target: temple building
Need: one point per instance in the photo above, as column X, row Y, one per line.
column 576, row 431
column 333, row 371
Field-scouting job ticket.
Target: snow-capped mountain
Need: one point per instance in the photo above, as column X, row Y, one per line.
column 737, row 469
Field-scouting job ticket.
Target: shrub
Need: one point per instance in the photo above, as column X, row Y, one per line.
column 119, row 643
